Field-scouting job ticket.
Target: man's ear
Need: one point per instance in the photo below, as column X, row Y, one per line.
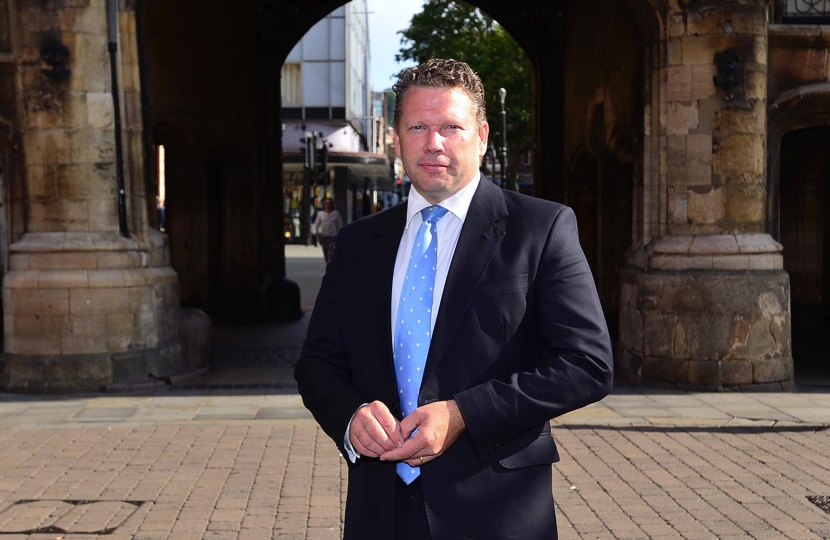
column 483, row 134
column 397, row 141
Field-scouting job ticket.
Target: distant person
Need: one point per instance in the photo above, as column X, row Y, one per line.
column 377, row 208
column 327, row 224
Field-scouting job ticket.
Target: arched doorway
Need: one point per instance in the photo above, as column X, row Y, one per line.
column 805, row 233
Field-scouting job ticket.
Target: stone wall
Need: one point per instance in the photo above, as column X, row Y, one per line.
column 84, row 307
column 705, row 303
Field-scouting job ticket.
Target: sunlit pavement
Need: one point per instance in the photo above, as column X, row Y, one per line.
column 234, row 455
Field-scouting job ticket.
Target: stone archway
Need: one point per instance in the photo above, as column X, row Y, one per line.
column 799, row 191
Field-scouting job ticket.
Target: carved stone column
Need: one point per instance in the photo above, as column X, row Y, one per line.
column 84, row 307
column 705, row 301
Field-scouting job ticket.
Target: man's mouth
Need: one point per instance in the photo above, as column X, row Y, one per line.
column 432, row 167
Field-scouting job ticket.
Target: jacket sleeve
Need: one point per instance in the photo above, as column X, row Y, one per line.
column 323, row 372
column 576, row 367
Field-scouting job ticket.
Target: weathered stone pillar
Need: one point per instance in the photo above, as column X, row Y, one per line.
column 83, row 306
column 705, row 300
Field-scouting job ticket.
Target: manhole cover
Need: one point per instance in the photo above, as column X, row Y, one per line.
column 822, row 501
column 66, row 517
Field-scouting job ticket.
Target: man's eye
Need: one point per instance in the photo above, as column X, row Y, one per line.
column 417, row 128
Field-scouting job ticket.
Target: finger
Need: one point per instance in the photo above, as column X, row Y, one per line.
column 411, row 423
column 368, row 441
column 389, row 424
column 409, row 449
column 362, row 450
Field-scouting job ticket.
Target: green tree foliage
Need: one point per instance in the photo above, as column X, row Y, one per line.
column 455, row 29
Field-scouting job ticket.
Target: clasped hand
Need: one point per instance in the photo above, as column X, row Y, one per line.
column 375, row 432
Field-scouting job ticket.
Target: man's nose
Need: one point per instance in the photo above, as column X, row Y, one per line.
column 435, row 142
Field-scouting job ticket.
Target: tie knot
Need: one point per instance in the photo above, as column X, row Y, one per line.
column 431, row 214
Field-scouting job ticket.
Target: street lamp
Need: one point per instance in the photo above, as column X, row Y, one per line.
column 503, row 160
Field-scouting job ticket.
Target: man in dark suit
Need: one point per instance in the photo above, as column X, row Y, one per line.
column 438, row 383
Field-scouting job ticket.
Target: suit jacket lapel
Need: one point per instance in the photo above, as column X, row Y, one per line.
column 387, row 236
column 479, row 239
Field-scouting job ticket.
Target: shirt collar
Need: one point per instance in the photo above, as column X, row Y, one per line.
column 458, row 204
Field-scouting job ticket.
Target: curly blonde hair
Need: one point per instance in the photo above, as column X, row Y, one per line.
column 441, row 73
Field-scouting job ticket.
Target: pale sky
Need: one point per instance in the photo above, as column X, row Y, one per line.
column 386, row 18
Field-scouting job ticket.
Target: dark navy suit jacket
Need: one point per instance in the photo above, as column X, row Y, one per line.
column 520, row 338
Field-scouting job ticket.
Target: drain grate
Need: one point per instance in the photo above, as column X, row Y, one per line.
column 66, row 516
column 822, row 501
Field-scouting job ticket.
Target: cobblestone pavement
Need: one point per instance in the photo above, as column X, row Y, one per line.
column 235, row 456
column 238, row 464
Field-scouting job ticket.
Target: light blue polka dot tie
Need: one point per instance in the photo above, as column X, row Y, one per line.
column 413, row 329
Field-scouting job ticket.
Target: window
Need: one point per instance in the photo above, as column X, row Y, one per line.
column 291, row 85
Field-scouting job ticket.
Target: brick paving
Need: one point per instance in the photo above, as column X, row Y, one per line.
column 238, row 475
column 224, row 460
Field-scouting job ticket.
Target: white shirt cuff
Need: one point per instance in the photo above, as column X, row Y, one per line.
column 347, row 444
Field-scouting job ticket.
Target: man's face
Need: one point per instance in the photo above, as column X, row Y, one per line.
column 438, row 140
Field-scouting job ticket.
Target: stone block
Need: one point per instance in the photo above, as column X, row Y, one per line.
column 680, row 118
column 36, row 301
column 87, row 326
column 63, row 261
column 133, row 277
column 99, row 106
column 99, row 301
column 707, row 20
column 74, row 110
column 676, row 150
column 61, row 374
column 736, row 372
column 106, row 278
column 756, row 86
column 41, row 181
column 86, row 180
column 703, row 82
column 680, row 211
column 92, row 145
column 705, row 373
column 673, row 244
column 141, row 299
column 32, row 346
column 699, row 149
column 699, row 175
column 677, row 25
column 772, row 370
column 58, row 215
column 129, row 366
column 103, row 215
column 658, row 333
column 714, row 244
column 707, row 205
column 26, row 326
column 116, row 259
column 730, row 262
column 90, row 68
column 92, row 20
column 728, row 121
column 760, row 50
column 679, row 85
column 757, row 243
column 665, row 370
column 707, row 109
column 631, row 328
column 63, row 279
column 739, row 156
column 752, row 19
column 766, row 261
column 703, row 262
column 18, row 261
column 21, row 279
column 46, row 146
column 675, row 51
column 746, row 203
column 662, row 262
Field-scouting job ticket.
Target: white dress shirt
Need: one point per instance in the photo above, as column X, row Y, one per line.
column 448, row 229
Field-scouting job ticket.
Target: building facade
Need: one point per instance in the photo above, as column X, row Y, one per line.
column 689, row 136
column 327, row 97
